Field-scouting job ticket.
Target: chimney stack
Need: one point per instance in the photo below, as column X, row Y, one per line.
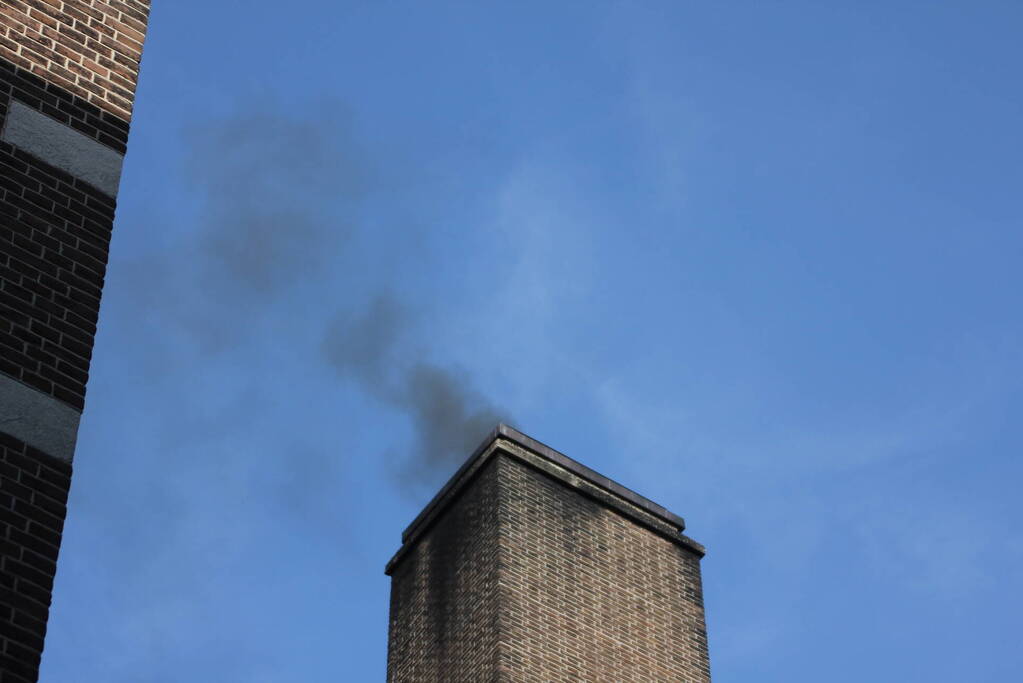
column 528, row 566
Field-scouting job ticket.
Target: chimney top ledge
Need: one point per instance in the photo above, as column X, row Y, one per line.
column 503, row 432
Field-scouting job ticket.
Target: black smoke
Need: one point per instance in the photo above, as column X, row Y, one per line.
column 278, row 199
column 376, row 349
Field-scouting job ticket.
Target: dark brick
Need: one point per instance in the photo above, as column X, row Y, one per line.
column 22, row 653
column 24, row 604
column 10, row 471
column 69, row 396
column 34, row 594
column 56, row 472
column 19, row 491
column 32, row 544
column 12, row 520
column 28, row 622
column 17, row 671
column 44, row 564
column 34, row 512
column 23, row 637
column 24, row 572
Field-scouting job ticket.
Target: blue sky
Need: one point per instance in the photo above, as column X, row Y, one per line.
column 757, row 261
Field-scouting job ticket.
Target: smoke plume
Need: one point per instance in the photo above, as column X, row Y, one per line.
column 278, row 202
column 376, row 350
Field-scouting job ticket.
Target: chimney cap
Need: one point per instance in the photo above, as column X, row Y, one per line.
column 506, row 433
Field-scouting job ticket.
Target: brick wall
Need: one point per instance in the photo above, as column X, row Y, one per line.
column 530, row 567
column 68, row 71
column 591, row 594
column 444, row 598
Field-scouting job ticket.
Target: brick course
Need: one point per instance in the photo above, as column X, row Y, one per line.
column 526, row 571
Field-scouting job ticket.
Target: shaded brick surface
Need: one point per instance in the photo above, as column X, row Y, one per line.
column 444, row 596
column 33, row 498
column 525, row 577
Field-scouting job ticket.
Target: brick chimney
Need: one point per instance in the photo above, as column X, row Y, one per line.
column 68, row 71
column 528, row 566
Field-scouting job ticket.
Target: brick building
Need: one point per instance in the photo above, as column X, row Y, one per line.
column 68, row 70
column 528, row 566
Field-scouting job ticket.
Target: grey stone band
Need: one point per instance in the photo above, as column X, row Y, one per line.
column 64, row 147
column 38, row 419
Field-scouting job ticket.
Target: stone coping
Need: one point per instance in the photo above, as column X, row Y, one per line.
column 513, row 443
